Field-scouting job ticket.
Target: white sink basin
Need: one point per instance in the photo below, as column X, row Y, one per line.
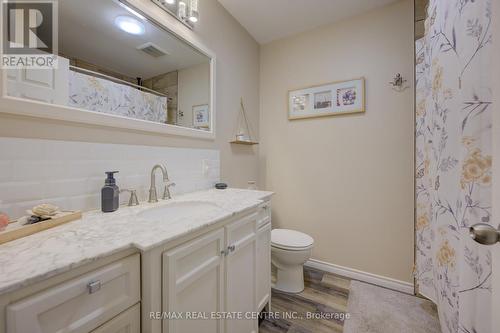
column 177, row 210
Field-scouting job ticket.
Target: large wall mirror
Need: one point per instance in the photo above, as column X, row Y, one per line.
column 113, row 60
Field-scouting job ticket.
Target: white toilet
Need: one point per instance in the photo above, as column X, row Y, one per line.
column 290, row 249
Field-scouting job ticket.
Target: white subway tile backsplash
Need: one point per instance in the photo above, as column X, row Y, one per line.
column 70, row 174
column 6, row 170
column 14, row 192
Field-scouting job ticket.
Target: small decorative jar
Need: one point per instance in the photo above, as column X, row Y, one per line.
column 4, row 221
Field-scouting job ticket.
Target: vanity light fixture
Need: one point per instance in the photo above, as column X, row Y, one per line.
column 182, row 11
column 186, row 11
column 193, row 11
column 130, row 25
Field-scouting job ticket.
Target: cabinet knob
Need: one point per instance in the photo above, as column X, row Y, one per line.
column 94, row 286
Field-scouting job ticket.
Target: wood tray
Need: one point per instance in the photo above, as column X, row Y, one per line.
column 16, row 231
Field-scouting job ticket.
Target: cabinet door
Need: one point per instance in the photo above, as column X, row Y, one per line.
column 241, row 274
column 193, row 284
column 263, row 266
column 128, row 321
column 43, row 85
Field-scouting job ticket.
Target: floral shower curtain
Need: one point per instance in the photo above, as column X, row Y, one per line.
column 453, row 162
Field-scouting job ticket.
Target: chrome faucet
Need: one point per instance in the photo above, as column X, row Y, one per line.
column 153, row 196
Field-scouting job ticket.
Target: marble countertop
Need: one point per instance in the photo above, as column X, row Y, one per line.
column 37, row 257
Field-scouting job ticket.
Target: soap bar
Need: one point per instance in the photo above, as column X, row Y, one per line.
column 45, row 210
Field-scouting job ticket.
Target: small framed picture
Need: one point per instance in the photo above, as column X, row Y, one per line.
column 323, row 100
column 201, row 116
column 327, row 100
column 300, row 103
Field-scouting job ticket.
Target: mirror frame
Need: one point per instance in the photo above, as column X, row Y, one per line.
column 37, row 109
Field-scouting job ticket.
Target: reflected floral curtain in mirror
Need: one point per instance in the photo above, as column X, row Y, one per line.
column 453, row 162
column 101, row 95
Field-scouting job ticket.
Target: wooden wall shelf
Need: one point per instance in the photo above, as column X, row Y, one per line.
column 248, row 143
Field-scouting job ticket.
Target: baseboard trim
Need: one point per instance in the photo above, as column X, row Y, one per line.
column 382, row 281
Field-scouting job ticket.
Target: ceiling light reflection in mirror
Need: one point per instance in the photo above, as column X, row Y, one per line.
column 130, row 25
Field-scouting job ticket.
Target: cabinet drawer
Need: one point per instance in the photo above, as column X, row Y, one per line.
column 264, row 214
column 128, row 321
column 81, row 304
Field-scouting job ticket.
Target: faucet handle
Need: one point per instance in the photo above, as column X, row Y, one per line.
column 133, row 201
column 166, row 192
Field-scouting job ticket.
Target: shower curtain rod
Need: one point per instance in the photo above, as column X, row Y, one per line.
column 88, row 71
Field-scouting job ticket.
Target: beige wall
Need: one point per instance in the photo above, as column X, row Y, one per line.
column 237, row 75
column 346, row 180
column 193, row 89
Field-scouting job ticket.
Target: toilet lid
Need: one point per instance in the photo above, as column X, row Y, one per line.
column 290, row 238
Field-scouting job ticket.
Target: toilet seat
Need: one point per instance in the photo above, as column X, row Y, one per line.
column 290, row 240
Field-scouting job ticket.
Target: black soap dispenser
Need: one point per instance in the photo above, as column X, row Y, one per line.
column 110, row 194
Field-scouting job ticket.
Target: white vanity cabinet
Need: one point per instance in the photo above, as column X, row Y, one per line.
column 214, row 279
column 226, row 271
